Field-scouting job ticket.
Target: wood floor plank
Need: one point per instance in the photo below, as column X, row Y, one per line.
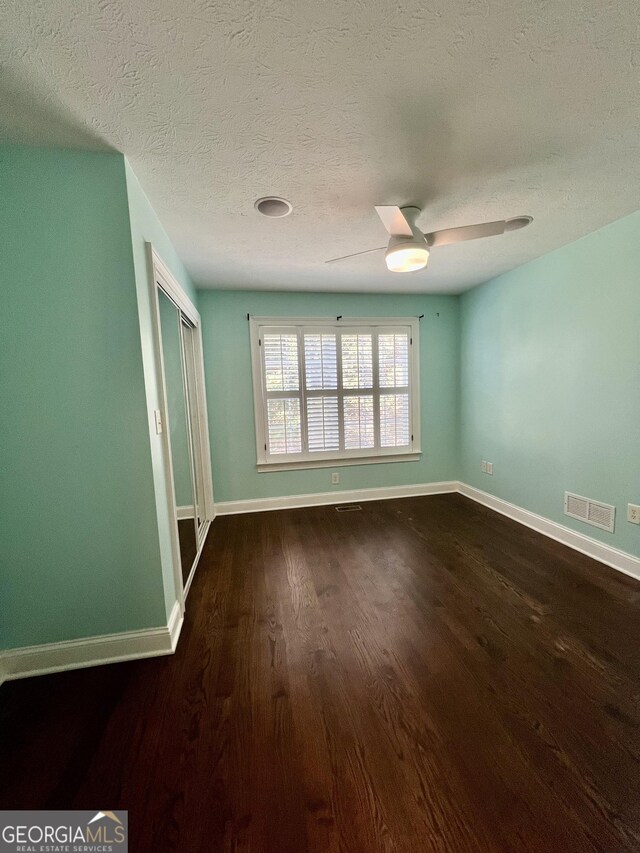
column 422, row 675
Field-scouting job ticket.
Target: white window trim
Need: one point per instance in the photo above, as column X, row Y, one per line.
column 349, row 457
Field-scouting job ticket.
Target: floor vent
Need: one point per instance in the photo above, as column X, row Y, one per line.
column 348, row 508
column 591, row 512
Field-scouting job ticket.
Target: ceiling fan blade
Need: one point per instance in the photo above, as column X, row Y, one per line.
column 394, row 220
column 355, row 255
column 466, row 232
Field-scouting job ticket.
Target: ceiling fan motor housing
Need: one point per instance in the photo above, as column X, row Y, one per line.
column 408, row 253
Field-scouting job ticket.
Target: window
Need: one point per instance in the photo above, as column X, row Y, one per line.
column 331, row 390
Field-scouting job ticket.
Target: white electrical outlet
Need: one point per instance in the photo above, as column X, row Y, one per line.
column 633, row 513
column 335, row 478
column 483, row 467
column 490, row 468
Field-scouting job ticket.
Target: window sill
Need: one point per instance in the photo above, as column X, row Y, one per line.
column 264, row 467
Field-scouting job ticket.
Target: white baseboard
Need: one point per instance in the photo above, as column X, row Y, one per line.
column 92, row 651
column 184, row 512
column 620, row 560
column 174, row 626
column 336, row 497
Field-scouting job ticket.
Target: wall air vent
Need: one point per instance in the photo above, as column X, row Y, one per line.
column 591, row 512
column 348, row 508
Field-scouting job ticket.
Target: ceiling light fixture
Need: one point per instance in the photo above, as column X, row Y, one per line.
column 408, row 251
column 273, row 206
column 404, row 255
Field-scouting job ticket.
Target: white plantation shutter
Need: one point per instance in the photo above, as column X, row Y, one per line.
column 283, row 418
column 321, row 375
column 281, row 362
column 320, row 361
column 394, row 420
column 393, row 360
column 282, row 388
column 393, row 366
column 357, row 360
column 335, row 391
column 359, row 430
column 323, row 430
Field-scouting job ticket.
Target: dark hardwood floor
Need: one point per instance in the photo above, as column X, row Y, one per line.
column 424, row 675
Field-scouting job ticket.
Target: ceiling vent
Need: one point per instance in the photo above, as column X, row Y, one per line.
column 591, row 512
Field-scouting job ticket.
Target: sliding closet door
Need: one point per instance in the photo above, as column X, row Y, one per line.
column 177, row 425
column 194, row 421
column 182, row 422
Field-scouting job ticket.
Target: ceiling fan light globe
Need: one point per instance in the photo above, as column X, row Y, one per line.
column 406, row 257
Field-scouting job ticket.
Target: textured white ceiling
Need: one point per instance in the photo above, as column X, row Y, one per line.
column 470, row 109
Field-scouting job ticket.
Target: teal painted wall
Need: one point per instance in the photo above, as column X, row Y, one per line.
column 225, row 333
column 78, row 540
column 145, row 227
column 174, row 382
column 550, row 380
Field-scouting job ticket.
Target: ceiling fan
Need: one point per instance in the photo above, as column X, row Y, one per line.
column 408, row 248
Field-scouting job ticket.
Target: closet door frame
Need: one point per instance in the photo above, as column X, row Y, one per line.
column 188, row 344
column 161, row 277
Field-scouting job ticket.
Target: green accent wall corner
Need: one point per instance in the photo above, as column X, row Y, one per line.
column 550, row 380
